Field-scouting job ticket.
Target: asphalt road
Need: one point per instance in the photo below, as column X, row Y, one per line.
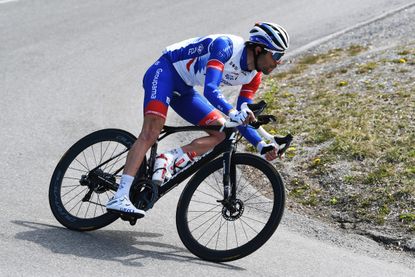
column 68, row 68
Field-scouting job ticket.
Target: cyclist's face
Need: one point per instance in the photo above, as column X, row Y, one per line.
column 266, row 63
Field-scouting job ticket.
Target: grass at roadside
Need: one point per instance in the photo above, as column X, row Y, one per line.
column 352, row 112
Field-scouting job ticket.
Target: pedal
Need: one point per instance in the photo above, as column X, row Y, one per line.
column 133, row 221
column 130, row 218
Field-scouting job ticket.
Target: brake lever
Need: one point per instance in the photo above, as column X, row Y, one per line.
column 284, row 142
column 263, row 120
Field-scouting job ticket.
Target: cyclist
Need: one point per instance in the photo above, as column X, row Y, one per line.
column 210, row 61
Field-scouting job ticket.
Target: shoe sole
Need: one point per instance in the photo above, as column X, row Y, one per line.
column 121, row 213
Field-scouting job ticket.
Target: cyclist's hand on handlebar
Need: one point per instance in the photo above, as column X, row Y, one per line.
column 243, row 117
column 268, row 151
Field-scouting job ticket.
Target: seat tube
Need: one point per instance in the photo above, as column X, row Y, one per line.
column 152, row 158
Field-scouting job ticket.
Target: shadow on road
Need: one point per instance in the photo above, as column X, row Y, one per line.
column 127, row 247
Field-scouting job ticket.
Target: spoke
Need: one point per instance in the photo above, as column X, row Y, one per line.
column 201, row 212
column 227, row 232
column 75, row 206
column 217, row 239
column 79, row 208
column 75, row 196
column 116, row 161
column 214, row 197
column 251, row 196
column 248, row 225
column 99, row 201
column 89, row 204
column 71, row 178
column 76, row 169
column 236, row 236
column 87, row 165
column 112, row 155
column 203, row 222
column 93, row 153
column 103, row 155
column 211, row 210
column 70, row 186
column 71, row 191
column 253, row 219
column 237, row 184
column 96, row 206
column 264, row 202
column 243, row 228
column 100, row 159
column 246, row 184
column 82, row 165
column 220, row 227
column 209, row 228
column 218, row 190
column 217, row 183
column 96, row 203
column 198, row 201
column 108, row 197
column 256, row 196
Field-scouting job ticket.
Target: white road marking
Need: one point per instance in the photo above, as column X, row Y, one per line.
column 6, row 1
column 316, row 42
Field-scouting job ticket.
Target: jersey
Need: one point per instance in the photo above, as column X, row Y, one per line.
column 212, row 61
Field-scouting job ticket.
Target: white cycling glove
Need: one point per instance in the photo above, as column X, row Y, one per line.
column 263, row 147
column 239, row 116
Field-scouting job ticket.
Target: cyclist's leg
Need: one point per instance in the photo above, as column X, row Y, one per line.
column 201, row 113
column 152, row 126
column 158, row 88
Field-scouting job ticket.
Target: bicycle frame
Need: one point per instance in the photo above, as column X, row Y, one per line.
column 227, row 147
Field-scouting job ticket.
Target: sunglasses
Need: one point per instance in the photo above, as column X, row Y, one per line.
column 275, row 54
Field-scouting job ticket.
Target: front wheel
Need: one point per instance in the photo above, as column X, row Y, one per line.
column 220, row 232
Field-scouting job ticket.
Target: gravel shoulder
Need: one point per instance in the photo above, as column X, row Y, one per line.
column 381, row 40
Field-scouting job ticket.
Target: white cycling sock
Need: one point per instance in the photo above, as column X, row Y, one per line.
column 125, row 185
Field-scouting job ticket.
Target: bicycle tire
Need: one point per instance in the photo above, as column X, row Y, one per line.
column 183, row 214
column 67, row 218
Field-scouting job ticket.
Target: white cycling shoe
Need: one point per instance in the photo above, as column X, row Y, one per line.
column 124, row 205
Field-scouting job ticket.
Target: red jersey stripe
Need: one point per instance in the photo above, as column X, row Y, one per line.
column 248, row 90
column 215, row 64
column 247, row 94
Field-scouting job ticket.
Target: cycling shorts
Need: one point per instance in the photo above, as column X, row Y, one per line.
column 163, row 87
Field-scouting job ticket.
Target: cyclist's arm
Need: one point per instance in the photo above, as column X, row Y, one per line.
column 221, row 52
column 247, row 94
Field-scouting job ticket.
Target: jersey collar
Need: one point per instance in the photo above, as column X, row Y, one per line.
column 244, row 60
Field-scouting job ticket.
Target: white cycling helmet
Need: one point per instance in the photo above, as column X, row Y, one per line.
column 272, row 36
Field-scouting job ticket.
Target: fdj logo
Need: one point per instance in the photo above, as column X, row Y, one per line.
column 198, row 49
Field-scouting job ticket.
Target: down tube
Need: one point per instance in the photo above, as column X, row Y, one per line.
column 169, row 185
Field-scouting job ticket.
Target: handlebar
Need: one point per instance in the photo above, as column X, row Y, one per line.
column 282, row 142
column 257, row 109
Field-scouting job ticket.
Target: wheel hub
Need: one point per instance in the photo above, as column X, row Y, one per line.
column 98, row 181
column 233, row 210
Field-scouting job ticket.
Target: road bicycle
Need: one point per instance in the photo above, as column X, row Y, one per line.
column 230, row 207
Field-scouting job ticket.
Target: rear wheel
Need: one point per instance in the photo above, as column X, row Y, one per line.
column 80, row 188
column 225, row 231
